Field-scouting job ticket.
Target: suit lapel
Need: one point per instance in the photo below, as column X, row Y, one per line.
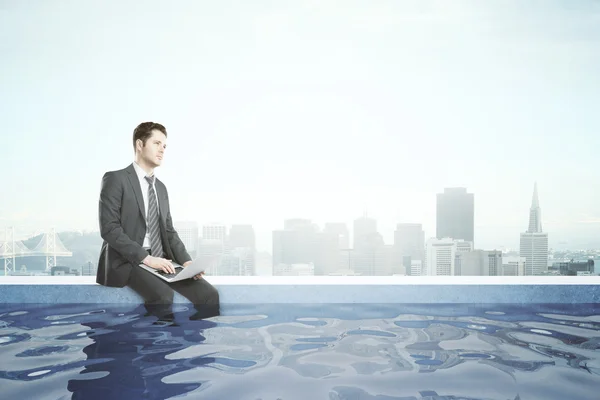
column 137, row 189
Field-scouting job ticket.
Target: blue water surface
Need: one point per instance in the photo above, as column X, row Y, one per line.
column 331, row 351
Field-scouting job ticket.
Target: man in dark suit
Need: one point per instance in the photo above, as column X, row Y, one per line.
column 136, row 225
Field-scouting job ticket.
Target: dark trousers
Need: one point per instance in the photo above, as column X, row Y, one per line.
column 158, row 294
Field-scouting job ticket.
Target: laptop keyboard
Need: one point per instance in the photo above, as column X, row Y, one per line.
column 166, row 275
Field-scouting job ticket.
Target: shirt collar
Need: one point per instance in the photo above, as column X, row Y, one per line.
column 140, row 172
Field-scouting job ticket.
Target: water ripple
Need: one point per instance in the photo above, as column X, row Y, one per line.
column 381, row 351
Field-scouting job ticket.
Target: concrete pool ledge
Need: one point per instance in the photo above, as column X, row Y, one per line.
column 324, row 289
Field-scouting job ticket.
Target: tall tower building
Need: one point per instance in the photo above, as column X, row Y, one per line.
column 534, row 242
column 535, row 213
column 455, row 216
column 364, row 228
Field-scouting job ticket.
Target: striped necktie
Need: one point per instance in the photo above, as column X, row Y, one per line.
column 152, row 220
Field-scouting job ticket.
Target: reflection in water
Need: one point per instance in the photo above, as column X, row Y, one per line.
column 331, row 351
column 136, row 350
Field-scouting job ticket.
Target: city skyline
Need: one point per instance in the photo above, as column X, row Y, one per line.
column 336, row 110
column 220, row 229
column 304, row 248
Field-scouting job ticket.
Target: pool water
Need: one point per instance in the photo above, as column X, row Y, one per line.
column 300, row 351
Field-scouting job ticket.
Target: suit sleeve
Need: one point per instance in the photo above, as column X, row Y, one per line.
column 111, row 230
column 177, row 246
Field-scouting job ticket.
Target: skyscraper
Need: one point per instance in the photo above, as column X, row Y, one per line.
column 409, row 239
column 409, row 246
column 364, row 227
column 455, row 217
column 534, row 242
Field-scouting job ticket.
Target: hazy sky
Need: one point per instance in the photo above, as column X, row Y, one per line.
column 306, row 109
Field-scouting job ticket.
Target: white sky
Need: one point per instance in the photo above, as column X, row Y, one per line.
column 307, row 109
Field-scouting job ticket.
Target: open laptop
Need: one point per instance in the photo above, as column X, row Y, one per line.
column 200, row 264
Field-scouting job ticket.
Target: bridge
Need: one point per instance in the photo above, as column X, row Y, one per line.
column 50, row 246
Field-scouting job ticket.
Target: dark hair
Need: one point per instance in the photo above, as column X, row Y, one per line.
column 144, row 130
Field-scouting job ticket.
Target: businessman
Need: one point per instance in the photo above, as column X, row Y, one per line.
column 136, row 225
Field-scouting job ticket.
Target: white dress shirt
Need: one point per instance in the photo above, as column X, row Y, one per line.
column 145, row 185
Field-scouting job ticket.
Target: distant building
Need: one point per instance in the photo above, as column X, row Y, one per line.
column 242, row 246
column 372, row 257
column 242, row 236
column 188, row 232
column 573, row 268
column 512, row 266
column 440, row 257
column 409, row 246
column 89, row 269
column 294, row 270
column 455, row 215
column 214, row 232
column 341, row 231
column 239, row 261
column 364, row 228
column 60, row 270
column 478, row 263
column 534, row 242
column 295, row 244
column 416, row 268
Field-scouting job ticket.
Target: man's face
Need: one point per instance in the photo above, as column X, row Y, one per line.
column 153, row 151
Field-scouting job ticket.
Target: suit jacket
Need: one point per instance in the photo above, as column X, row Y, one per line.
column 123, row 227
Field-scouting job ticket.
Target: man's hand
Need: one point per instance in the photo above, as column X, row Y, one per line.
column 161, row 264
column 199, row 276
column 196, row 277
